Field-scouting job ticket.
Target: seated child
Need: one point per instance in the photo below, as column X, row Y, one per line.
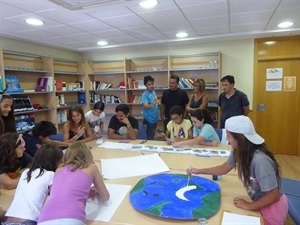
column 178, row 129
column 203, row 132
column 39, row 135
column 13, row 159
column 96, row 118
column 33, row 187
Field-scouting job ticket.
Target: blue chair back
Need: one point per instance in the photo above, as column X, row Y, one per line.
column 57, row 137
column 292, row 190
column 142, row 132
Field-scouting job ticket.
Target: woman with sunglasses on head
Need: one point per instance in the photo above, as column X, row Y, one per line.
column 7, row 118
column 13, row 159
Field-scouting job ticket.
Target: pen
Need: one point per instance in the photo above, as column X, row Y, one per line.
column 188, row 180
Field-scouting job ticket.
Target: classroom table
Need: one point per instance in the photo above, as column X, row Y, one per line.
column 230, row 185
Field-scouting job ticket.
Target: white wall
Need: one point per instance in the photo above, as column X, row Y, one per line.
column 26, row 47
column 237, row 57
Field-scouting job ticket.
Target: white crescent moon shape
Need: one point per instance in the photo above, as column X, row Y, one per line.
column 181, row 191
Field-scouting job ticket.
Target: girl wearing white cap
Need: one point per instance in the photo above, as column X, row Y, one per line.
column 257, row 169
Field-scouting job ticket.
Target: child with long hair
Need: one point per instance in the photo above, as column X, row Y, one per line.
column 203, row 132
column 33, row 187
column 7, row 117
column 257, row 169
column 13, row 159
column 71, row 188
column 77, row 128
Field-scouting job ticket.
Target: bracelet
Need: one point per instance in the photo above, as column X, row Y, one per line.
column 75, row 137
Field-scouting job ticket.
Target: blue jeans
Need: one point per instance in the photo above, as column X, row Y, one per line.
column 151, row 127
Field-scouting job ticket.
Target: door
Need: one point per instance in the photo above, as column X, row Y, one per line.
column 277, row 112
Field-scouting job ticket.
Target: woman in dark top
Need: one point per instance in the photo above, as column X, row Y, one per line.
column 77, row 128
column 7, row 118
column 199, row 99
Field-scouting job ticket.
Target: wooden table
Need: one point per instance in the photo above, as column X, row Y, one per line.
column 230, row 185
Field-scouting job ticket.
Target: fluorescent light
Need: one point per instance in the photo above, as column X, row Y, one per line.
column 148, row 3
column 270, row 42
column 182, row 35
column 34, row 22
column 285, row 24
column 102, row 43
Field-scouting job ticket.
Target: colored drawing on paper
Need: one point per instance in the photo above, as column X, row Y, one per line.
column 168, row 196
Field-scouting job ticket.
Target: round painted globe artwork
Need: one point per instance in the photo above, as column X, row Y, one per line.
column 174, row 196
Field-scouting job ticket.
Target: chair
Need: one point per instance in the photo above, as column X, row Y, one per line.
column 57, row 137
column 222, row 136
column 292, row 190
column 142, row 132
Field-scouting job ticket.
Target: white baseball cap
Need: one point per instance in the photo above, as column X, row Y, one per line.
column 243, row 125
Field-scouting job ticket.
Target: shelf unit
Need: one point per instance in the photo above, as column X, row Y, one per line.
column 206, row 66
column 28, row 68
column 70, row 72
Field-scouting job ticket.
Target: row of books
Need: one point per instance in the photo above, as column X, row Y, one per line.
column 135, row 84
column 186, row 83
column 100, row 85
column 62, row 116
column 71, row 86
column 135, row 99
column 104, row 98
column 60, row 99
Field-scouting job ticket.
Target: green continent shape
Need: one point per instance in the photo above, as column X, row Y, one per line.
column 138, row 187
column 211, row 204
column 156, row 210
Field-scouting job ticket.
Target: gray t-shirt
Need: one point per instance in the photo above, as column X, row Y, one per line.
column 262, row 175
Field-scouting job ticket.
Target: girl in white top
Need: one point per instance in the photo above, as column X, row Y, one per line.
column 95, row 118
column 33, row 187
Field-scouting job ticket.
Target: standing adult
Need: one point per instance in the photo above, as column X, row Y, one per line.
column 232, row 101
column 7, row 117
column 150, row 107
column 199, row 99
column 173, row 96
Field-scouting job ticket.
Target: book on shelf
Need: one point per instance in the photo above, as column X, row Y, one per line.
column 44, row 84
column 58, row 85
column 12, row 84
column 22, row 103
column 81, row 98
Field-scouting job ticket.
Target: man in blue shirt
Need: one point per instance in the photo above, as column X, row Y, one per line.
column 232, row 101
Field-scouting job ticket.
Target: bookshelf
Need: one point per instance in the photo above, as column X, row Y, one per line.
column 29, row 68
column 206, row 66
column 70, row 87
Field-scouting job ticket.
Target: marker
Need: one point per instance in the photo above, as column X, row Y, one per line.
column 188, row 180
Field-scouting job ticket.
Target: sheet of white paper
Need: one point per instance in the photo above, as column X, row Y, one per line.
column 133, row 166
column 97, row 210
column 238, row 219
column 116, row 145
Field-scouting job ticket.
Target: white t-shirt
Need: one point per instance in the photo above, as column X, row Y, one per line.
column 94, row 121
column 30, row 197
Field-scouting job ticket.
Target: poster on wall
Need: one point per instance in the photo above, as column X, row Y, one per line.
column 274, row 85
column 290, row 83
column 274, row 73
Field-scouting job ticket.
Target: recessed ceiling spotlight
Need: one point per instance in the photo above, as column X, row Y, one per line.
column 34, row 22
column 285, row 24
column 182, row 35
column 102, row 43
column 148, row 3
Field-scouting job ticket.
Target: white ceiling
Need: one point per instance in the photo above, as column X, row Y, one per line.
column 124, row 23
